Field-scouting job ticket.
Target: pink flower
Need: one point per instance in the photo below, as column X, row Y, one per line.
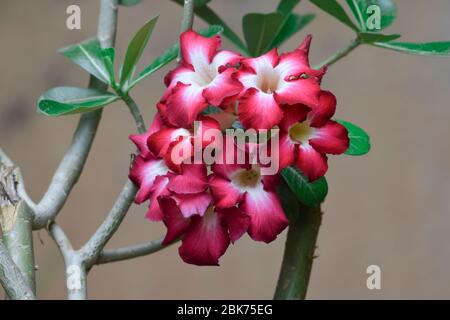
column 205, row 236
column 254, row 193
column 203, row 78
column 307, row 135
column 271, row 81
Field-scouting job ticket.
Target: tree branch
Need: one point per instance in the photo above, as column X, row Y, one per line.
column 125, row 253
column 11, row 278
column 91, row 250
column 72, row 164
column 340, row 54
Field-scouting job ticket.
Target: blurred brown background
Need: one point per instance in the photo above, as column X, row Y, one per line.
column 389, row 208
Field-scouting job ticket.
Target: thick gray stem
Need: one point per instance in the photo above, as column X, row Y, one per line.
column 11, row 278
column 16, row 223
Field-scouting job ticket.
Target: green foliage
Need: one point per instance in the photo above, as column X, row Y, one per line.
column 129, row 3
column 359, row 139
column 62, row 101
column 441, row 48
column 135, row 50
column 308, row 193
column 293, row 24
column 260, row 31
column 88, row 55
column 361, row 11
column 333, row 8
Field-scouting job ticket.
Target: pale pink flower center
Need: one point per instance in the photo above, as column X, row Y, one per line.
column 268, row 80
column 301, row 132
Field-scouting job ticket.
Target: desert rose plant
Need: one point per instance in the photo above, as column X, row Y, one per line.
column 240, row 143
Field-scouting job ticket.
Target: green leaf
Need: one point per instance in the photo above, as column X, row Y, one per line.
column 135, row 49
column 309, row 193
column 293, row 24
column 289, row 202
column 108, row 57
column 377, row 37
column 70, row 100
column 171, row 54
column 211, row 110
column 367, row 13
column 425, row 49
column 260, row 31
column 88, row 55
column 286, row 6
column 129, row 3
column 359, row 139
column 209, row 16
column 333, row 8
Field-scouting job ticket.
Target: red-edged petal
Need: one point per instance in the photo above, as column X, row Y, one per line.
column 202, row 133
column 159, row 142
column 286, row 151
column 267, row 218
column 303, row 91
column 292, row 115
column 268, row 60
column 325, row 110
column 193, row 204
column 225, row 58
column 205, row 241
column 143, row 174
column 198, row 50
column 173, row 219
column 179, row 152
column 224, row 193
column 236, row 221
column 295, row 63
column 184, row 104
column 331, row 138
column 192, row 179
column 312, row 163
column 223, row 86
column 259, row 110
column 159, row 189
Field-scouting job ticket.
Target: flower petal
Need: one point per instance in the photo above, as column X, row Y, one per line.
column 259, row 64
column 286, row 151
column 267, row 218
column 324, row 111
column 143, row 174
column 312, row 163
column 192, row 179
column 225, row 195
column 159, row 142
column 259, row 110
column 205, row 241
column 193, row 204
column 292, row 115
column 173, row 219
column 184, row 104
column 223, row 86
column 159, row 189
column 331, row 138
column 225, row 58
column 140, row 140
column 303, row 91
column 198, row 50
column 236, row 221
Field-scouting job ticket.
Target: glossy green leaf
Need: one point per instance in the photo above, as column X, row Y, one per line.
column 108, row 57
column 293, row 24
column 309, row 193
column 373, row 15
column 171, row 54
column 209, row 16
column 377, row 37
column 70, row 100
column 135, row 49
column 286, row 6
column 129, row 3
column 333, row 8
column 289, row 202
column 88, row 55
column 359, row 139
column 426, row 49
column 260, row 31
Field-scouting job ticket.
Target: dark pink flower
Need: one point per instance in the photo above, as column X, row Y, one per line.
column 271, row 81
column 308, row 135
column 202, row 78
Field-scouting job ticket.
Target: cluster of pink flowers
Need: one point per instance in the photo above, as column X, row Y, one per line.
column 209, row 206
